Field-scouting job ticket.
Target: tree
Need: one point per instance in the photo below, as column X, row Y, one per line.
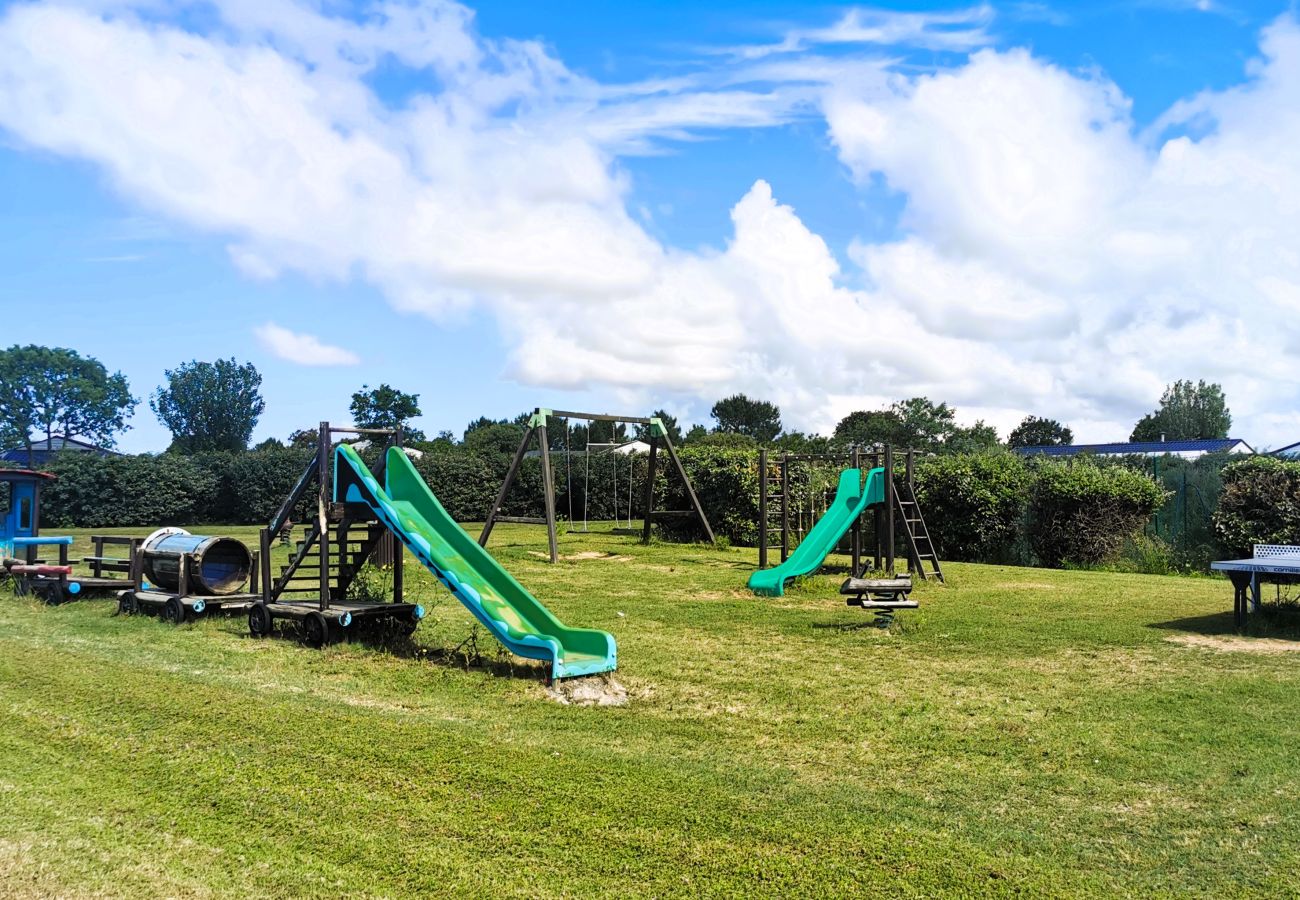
column 53, row 390
column 304, row 438
column 798, row 442
column 499, row 437
column 978, row 438
column 1035, row 432
column 695, row 434
column 386, row 407
column 738, row 414
column 924, row 425
column 210, row 406
column 670, row 425
column 1187, row 412
column 864, row 428
column 480, row 422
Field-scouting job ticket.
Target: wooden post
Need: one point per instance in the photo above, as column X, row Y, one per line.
column 911, row 492
column 690, row 490
column 889, row 511
column 785, row 507
column 762, row 509
column 322, row 513
column 650, row 487
column 548, row 486
column 96, row 567
column 399, row 556
column 505, row 486
column 255, row 574
column 855, row 565
column 183, row 575
column 264, row 559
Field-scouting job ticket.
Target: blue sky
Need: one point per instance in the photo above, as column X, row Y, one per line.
column 734, row 196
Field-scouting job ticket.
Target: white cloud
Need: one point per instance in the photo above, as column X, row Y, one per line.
column 1051, row 260
column 303, row 349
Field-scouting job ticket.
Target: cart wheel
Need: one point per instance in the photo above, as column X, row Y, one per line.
column 406, row 627
column 315, row 630
column 173, row 611
column 54, row 593
column 259, row 620
column 126, row 605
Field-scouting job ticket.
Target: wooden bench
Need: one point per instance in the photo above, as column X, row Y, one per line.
column 99, row 563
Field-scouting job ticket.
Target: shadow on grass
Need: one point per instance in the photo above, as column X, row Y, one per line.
column 1274, row 620
column 471, row 654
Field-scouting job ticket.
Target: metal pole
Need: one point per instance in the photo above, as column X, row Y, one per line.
column 762, row 508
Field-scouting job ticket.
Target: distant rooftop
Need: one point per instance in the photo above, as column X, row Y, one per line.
column 43, row 449
column 1188, row 449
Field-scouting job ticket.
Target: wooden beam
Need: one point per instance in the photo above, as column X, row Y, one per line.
column 505, row 487
column 322, row 517
column 548, row 486
column 650, row 488
column 690, row 489
column 762, row 508
column 595, row 417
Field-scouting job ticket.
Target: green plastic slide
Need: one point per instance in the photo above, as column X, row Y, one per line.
column 515, row 617
column 851, row 498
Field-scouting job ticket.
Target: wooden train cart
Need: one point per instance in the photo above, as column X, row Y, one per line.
column 172, row 582
column 55, row 581
column 311, row 590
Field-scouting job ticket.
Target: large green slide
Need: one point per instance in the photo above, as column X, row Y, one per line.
column 515, row 617
column 851, row 498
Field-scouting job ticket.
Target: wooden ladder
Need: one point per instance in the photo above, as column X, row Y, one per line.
column 920, row 548
column 775, row 507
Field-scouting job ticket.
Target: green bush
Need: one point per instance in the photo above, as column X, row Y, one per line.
column 973, row 504
column 725, row 481
column 1081, row 513
column 123, row 491
column 1259, row 504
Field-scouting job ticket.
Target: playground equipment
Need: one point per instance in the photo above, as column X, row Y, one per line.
column 537, row 428
column 351, row 496
column 21, row 543
column 182, row 575
column 1277, row 563
column 892, row 502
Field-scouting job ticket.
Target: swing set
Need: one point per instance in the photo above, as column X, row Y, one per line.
column 537, row 429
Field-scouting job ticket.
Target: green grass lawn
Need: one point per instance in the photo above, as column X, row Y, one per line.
column 1024, row 732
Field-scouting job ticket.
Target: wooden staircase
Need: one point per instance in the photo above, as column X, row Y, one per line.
column 350, row 545
column 923, row 559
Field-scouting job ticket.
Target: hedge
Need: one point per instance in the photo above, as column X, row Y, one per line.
column 1259, row 504
column 980, row 507
column 974, row 505
column 1081, row 513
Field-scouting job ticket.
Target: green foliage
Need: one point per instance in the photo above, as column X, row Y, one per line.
column 974, row 504
column 670, row 425
column 1259, row 504
column 731, row 439
column 798, row 442
column 756, row 418
column 386, row 407
column 210, row 406
column 726, row 482
column 1187, row 412
column 464, row 482
column 1081, row 513
column 865, row 428
column 695, row 433
column 255, row 484
column 978, row 438
column 143, row 491
column 498, row 439
column 53, row 390
column 1035, row 432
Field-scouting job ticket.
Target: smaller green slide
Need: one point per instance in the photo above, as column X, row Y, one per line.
column 515, row 617
column 851, row 498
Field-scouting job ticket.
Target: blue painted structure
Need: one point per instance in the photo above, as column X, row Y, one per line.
column 20, row 507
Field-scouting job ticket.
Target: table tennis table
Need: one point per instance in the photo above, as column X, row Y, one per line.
column 1268, row 562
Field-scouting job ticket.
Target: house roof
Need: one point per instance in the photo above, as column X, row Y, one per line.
column 1289, row 450
column 55, row 444
column 1209, row 445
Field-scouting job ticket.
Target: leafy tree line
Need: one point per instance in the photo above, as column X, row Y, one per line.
column 215, row 406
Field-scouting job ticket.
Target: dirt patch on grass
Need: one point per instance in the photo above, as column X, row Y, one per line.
column 594, row 690
column 1264, row 646
column 585, row 554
